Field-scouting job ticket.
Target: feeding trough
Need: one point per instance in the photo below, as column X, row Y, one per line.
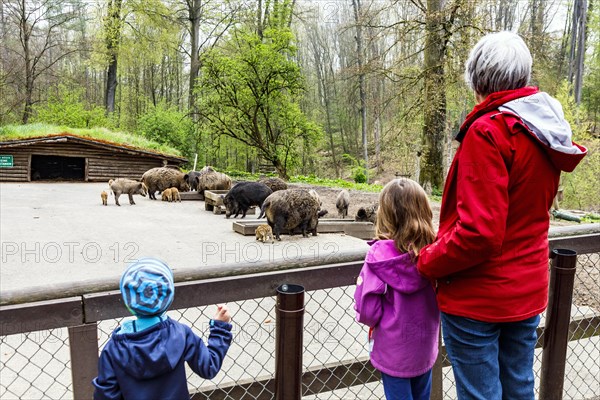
column 191, row 196
column 362, row 230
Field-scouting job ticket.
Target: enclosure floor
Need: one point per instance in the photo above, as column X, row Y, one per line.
column 60, row 234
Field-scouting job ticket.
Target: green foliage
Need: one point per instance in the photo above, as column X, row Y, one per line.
column 590, row 218
column 357, row 168
column 250, row 90
column 67, row 108
column 10, row 132
column 591, row 82
column 358, row 174
column 581, row 187
column 167, row 126
column 337, row 183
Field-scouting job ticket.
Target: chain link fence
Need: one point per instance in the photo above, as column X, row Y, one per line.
column 36, row 365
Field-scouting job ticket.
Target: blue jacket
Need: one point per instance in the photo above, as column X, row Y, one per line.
column 149, row 364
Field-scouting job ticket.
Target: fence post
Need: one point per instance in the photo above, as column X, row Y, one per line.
column 288, row 342
column 83, row 346
column 556, row 330
column 437, row 374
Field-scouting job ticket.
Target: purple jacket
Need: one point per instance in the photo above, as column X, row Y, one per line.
column 400, row 305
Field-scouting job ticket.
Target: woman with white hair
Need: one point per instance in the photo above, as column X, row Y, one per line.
column 490, row 258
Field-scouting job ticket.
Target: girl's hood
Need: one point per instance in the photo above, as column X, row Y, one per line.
column 397, row 270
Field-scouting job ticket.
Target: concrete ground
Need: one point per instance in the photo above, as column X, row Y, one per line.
column 58, row 235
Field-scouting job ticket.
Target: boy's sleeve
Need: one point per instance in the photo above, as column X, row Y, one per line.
column 368, row 297
column 206, row 360
column 106, row 385
column 482, row 206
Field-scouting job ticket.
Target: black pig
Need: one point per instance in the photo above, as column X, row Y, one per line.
column 243, row 195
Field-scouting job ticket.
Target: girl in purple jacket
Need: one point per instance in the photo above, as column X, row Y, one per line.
column 397, row 303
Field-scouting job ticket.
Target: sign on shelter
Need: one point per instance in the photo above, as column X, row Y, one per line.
column 6, row 161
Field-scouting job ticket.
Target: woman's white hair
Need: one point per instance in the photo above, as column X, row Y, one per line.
column 499, row 61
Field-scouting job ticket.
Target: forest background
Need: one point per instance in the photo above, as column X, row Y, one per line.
column 350, row 89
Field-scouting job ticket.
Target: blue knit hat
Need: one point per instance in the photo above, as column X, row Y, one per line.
column 147, row 287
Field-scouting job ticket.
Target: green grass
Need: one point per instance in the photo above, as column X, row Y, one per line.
column 313, row 180
column 590, row 218
column 337, row 183
column 12, row 132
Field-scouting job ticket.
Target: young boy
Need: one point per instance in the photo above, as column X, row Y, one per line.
column 144, row 358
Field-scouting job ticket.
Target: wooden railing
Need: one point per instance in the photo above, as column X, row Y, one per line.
column 81, row 314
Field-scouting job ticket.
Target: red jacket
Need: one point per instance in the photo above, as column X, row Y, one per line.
column 490, row 258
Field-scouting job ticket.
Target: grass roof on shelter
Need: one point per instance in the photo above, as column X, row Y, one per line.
column 16, row 132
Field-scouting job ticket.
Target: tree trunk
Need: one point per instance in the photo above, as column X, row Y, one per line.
column 432, row 169
column 361, row 83
column 194, row 16
column 113, row 37
column 573, row 39
column 324, row 95
column 26, row 36
column 580, row 52
column 281, row 170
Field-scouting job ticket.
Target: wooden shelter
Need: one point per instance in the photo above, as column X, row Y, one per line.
column 70, row 157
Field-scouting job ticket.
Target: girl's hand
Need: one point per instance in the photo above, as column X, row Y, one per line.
column 222, row 313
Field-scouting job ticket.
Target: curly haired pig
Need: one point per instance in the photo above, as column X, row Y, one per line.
column 244, row 195
column 292, row 208
column 161, row 178
column 342, row 202
column 130, row 187
column 104, row 197
column 367, row 214
column 274, row 184
column 209, row 179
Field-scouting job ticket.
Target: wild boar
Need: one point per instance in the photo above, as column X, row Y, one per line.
column 209, row 179
column 314, row 194
column 292, row 208
column 342, row 202
column 191, row 179
column 127, row 186
column 274, row 184
column 367, row 214
column 264, row 232
column 167, row 195
column 161, row 178
column 175, row 194
column 244, row 195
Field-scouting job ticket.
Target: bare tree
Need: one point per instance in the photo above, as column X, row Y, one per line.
column 320, row 51
column 40, row 45
column 218, row 21
column 577, row 51
column 361, row 81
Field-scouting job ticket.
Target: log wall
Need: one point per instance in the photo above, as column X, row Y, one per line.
column 101, row 164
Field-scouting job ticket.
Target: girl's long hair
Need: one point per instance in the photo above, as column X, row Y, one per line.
column 405, row 216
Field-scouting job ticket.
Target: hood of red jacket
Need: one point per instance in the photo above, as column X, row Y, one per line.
column 540, row 115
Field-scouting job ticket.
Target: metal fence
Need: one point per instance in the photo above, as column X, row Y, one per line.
column 47, row 353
